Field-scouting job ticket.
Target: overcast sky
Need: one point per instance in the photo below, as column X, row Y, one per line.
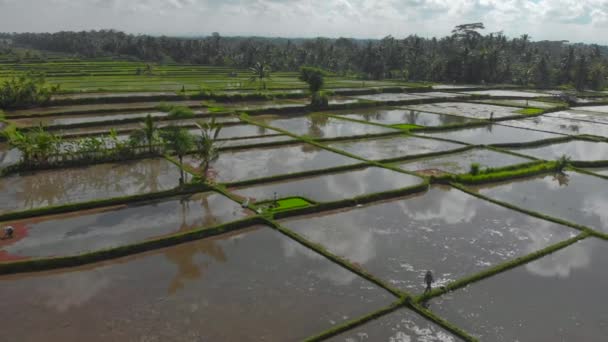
column 574, row 20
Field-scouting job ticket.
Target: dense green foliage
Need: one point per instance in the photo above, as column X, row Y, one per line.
column 206, row 144
column 464, row 56
column 25, row 90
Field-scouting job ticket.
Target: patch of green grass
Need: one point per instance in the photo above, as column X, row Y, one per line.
column 285, row 204
column 530, row 111
column 489, row 175
column 406, row 127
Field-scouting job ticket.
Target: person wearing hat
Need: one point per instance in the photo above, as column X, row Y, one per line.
column 8, row 232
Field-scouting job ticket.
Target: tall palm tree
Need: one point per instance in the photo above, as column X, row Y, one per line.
column 179, row 141
column 147, row 133
column 206, row 147
column 260, row 73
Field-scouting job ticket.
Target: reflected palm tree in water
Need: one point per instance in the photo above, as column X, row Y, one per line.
column 490, row 127
column 183, row 256
column 413, row 117
column 317, row 122
column 562, row 178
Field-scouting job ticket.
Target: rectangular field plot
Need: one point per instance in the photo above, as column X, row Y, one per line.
column 333, row 187
column 555, row 298
column 572, row 196
column 461, row 162
column 217, row 289
column 513, row 93
column 386, row 97
column 581, row 115
column 81, row 184
column 96, row 107
column 577, row 150
column 402, row 325
column 492, row 134
column 470, row 110
column 266, row 162
column 449, row 232
column 322, row 126
column 599, row 170
column 92, row 230
column 239, row 131
column 560, row 125
column 394, row 116
column 252, row 105
column 599, row 109
column 521, row 103
column 253, row 141
column 59, row 120
column 440, row 94
column 8, row 155
column 388, row 148
column 106, row 95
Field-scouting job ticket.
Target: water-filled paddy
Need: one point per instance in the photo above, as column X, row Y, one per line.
column 447, row 231
column 461, row 162
column 522, row 103
column 8, row 155
column 514, row 93
column 253, row 284
column 471, row 110
column 80, row 184
column 387, row 148
column 402, row 325
column 87, row 231
column 97, row 107
column 85, row 118
column 571, row 196
column 266, row 162
column 555, row 298
column 581, row 115
column 559, row 125
column 440, row 94
column 492, row 134
column 599, row 109
column 104, row 95
column 253, row 141
column 322, row 126
column 395, row 116
column 599, row 170
column 333, row 187
column 384, row 97
column 577, row 150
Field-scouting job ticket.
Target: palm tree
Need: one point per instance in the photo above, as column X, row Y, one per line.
column 206, row 147
column 180, row 141
column 147, row 133
column 260, row 73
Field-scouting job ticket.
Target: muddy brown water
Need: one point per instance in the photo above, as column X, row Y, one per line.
column 92, row 230
column 80, row 184
column 249, row 285
column 447, row 231
column 556, row 298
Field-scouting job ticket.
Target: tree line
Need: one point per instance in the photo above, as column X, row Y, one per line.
column 467, row 55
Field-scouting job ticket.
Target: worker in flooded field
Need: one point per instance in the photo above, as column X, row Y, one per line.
column 428, row 279
column 8, row 232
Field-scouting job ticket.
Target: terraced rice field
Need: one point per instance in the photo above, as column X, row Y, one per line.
column 309, row 225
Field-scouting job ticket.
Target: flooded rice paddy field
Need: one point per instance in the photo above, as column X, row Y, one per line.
column 570, row 196
column 397, row 147
column 598, row 109
column 560, row 125
column 461, row 162
column 93, row 230
column 396, row 116
column 85, row 118
column 385, row 97
column 401, row 325
column 188, row 292
column 578, row 150
column 80, row 184
column 470, row 110
column 322, row 126
column 492, row 134
column 554, row 298
column 282, row 290
column 513, row 93
column 95, row 107
column 332, row 187
column 444, row 230
column 265, row 162
column 522, row 103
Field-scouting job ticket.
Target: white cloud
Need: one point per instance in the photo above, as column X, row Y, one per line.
column 575, row 20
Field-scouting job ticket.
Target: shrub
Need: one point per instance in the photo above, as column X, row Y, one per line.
column 475, row 167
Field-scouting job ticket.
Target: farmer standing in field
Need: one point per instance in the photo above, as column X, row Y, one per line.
column 428, row 279
column 8, row 232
